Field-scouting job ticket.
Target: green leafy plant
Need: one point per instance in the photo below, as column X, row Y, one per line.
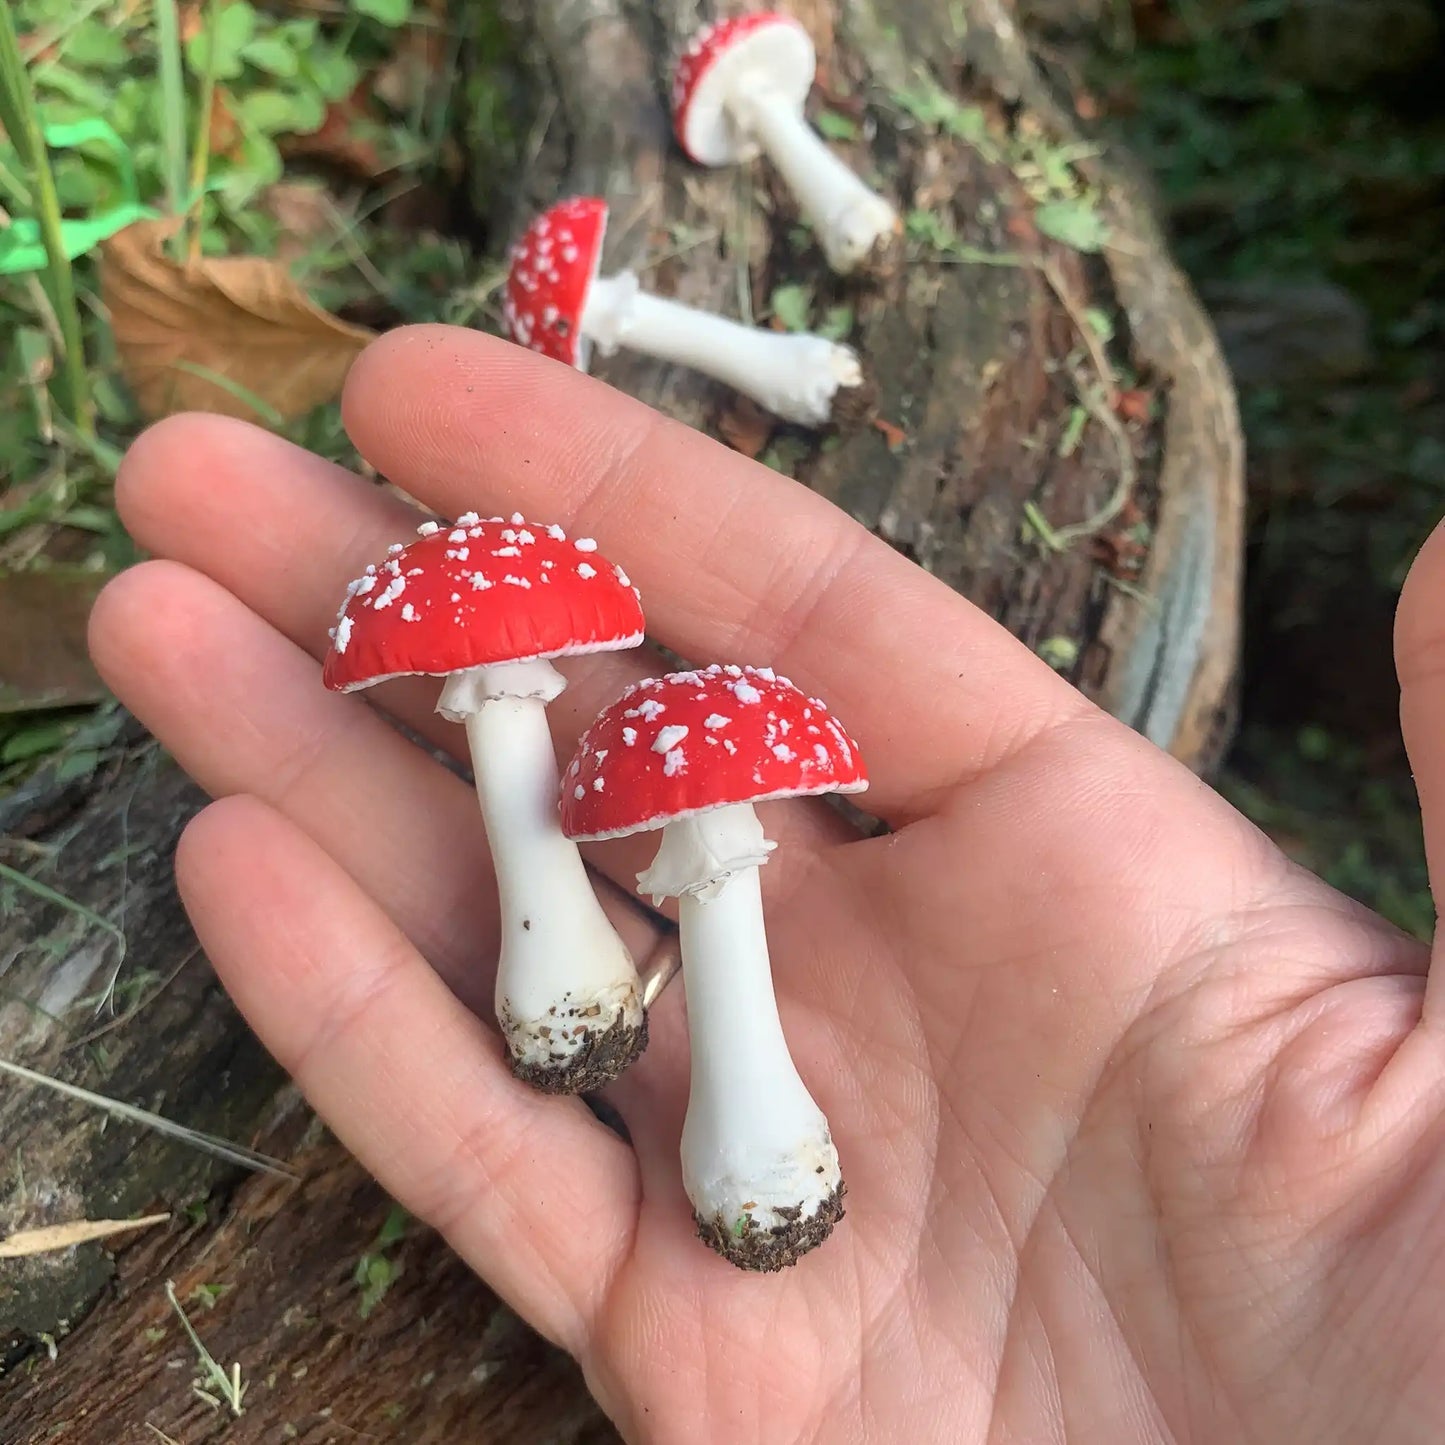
column 21, row 118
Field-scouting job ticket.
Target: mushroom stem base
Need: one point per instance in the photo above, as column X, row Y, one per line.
column 568, row 997
column 604, row 1055
column 753, row 1246
column 758, row 1159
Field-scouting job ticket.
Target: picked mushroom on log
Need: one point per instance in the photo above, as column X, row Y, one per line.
column 691, row 753
column 485, row 604
column 738, row 89
column 558, row 305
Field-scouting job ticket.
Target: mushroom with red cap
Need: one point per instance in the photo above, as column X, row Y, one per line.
column 739, row 88
column 485, row 604
column 557, row 304
column 691, row 753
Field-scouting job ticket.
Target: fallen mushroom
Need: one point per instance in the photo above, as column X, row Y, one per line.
column 691, row 753
column 558, row 305
column 485, row 604
column 740, row 88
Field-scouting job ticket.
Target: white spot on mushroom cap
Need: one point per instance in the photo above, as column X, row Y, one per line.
column 715, row 720
column 579, row 791
column 650, row 709
column 343, row 634
column 585, row 571
column 629, row 737
column 669, row 738
column 468, row 519
column 409, row 613
column 394, row 589
column 745, row 692
column 479, row 582
column 512, row 581
column 556, row 533
column 598, row 784
column 428, row 529
column 674, row 763
column 585, row 544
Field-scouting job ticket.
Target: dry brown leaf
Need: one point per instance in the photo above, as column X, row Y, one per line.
column 43, row 661
column 65, row 1236
column 746, row 427
column 895, row 436
column 240, row 317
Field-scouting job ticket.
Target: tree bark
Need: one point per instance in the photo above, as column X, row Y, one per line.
column 976, row 371
column 993, row 407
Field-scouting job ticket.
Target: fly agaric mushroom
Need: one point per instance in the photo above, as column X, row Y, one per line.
column 739, row 88
column 557, row 304
column 691, row 753
column 485, row 604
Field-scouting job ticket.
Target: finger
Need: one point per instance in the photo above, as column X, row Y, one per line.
column 283, row 530
column 1420, row 663
column 241, row 709
column 536, row 1195
column 735, row 562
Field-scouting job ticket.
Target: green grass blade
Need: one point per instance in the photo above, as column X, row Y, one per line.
column 207, row 1143
column 201, row 145
column 173, row 103
column 53, row 895
column 21, row 120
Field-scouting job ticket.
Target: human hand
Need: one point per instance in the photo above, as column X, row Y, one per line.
column 1141, row 1124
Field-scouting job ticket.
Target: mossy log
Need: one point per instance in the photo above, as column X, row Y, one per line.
column 1085, row 491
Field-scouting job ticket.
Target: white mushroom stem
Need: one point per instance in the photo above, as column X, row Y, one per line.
column 794, row 376
column 849, row 218
column 754, row 1143
column 564, row 974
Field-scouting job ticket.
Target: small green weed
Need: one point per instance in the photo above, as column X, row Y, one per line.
column 375, row 1272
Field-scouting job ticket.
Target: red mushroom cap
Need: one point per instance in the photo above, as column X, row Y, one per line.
column 787, row 62
column 480, row 592
column 553, row 267
column 691, row 741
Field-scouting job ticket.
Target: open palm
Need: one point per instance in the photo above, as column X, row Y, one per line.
column 1143, row 1128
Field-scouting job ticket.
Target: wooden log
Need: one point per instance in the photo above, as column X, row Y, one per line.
column 1085, row 491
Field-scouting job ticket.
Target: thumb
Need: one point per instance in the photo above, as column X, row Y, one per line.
column 1420, row 665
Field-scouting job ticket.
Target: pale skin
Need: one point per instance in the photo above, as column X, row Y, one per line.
column 1143, row 1127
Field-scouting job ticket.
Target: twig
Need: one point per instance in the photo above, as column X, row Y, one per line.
column 1098, row 402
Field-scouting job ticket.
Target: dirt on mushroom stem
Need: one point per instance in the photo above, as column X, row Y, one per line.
column 751, row 1246
column 592, row 1066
